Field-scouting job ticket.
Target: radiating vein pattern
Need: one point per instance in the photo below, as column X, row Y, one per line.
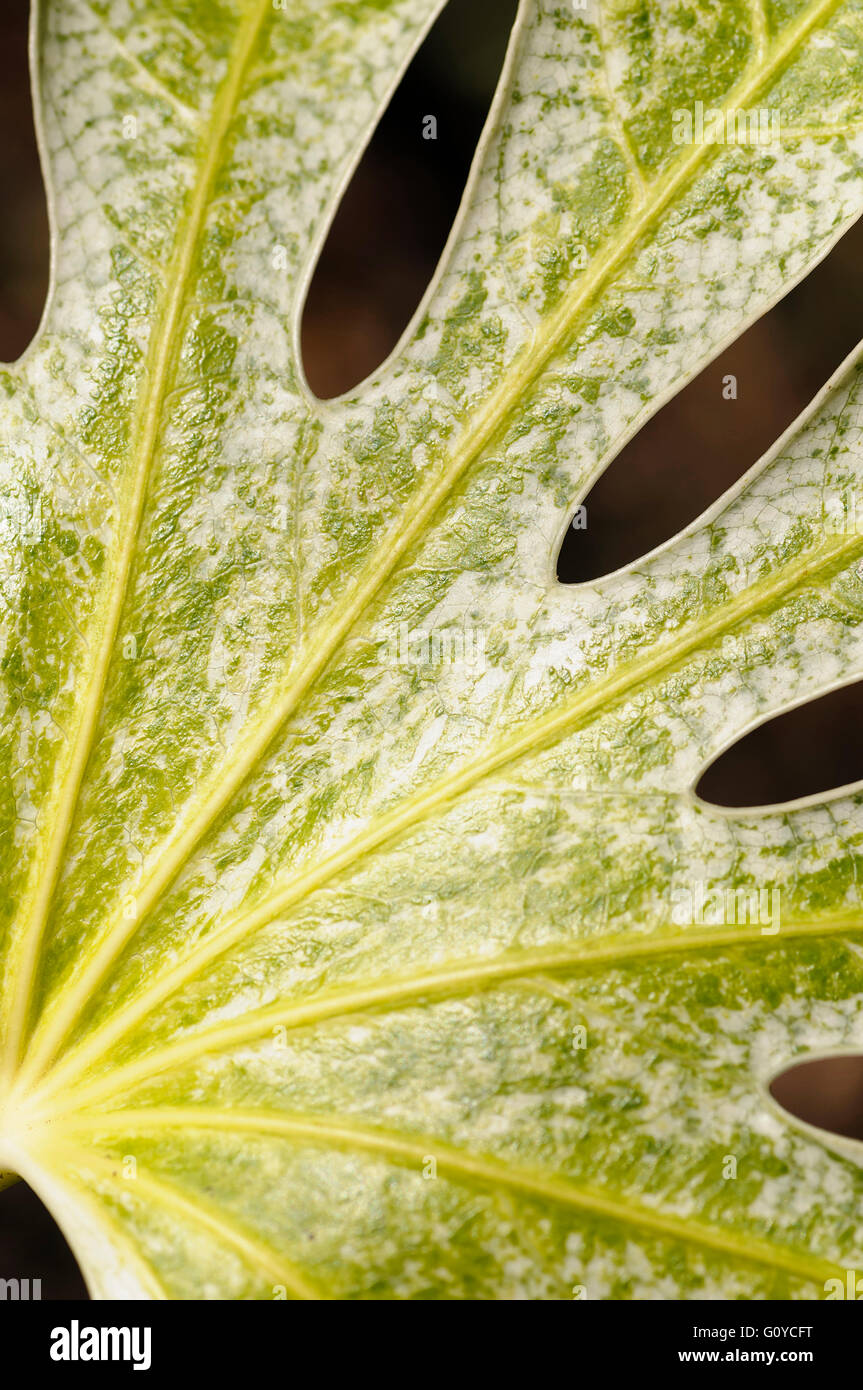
column 362, row 934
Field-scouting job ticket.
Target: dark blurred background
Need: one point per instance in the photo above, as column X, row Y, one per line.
column 382, row 251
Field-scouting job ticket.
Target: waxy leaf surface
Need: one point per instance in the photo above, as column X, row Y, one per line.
column 342, row 848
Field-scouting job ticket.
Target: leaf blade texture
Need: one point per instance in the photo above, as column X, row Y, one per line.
column 344, row 847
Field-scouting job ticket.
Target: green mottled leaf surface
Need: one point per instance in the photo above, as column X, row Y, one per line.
column 334, row 970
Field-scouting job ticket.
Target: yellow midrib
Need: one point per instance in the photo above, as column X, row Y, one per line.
column 54, row 1024
column 163, row 349
column 459, row 978
column 600, row 697
column 479, row 1169
column 168, row 1196
column 60, row 1193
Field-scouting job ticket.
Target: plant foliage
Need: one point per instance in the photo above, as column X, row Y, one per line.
column 341, row 847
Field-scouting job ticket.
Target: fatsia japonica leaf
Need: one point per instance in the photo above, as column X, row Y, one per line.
column 345, row 852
